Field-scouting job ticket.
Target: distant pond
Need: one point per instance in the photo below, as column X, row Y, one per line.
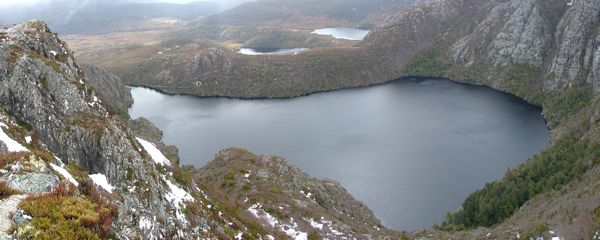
column 268, row 51
column 343, row 33
column 411, row 149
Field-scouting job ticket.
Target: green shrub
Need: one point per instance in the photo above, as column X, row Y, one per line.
column 183, row 175
column 568, row 159
column 428, row 63
column 564, row 105
column 537, row 231
column 314, row 236
column 596, row 215
column 61, row 215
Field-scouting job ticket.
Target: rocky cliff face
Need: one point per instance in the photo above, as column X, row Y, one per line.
column 43, row 86
column 110, row 88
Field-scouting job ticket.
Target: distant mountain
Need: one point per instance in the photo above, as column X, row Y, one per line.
column 95, row 16
column 312, row 12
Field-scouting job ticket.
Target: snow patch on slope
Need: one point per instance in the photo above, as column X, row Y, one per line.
column 100, row 180
column 289, row 229
column 65, row 174
column 177, row 198
column 156, row 155
column 12, row 145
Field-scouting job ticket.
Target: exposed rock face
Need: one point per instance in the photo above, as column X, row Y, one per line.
column 110, row 88
column 513, row 32
column 552, row 35
column 573, row 35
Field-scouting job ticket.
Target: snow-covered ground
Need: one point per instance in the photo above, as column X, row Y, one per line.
column 289, row 229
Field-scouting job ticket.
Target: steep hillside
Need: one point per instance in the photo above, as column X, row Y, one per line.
column 46, row 92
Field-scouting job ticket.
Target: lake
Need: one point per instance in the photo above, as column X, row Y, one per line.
column 343, row 33
column 410, row 149
column 254, row 51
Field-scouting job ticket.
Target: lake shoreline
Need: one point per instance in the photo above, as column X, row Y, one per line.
column 287, row 128
column 161, row 89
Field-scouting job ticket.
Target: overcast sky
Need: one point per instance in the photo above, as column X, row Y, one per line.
column 17, row 3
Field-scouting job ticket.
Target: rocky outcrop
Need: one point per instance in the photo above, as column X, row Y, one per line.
column 146, row 130
column 110, row 89
column 286, row 200
column 512, row 32
column 42, row 85
column 578, row 27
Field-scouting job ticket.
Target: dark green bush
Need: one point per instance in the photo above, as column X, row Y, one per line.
column 568, row 159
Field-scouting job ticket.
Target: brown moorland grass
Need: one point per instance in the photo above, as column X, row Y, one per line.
column 6, row 191
column 12, row 157
column 61, row 214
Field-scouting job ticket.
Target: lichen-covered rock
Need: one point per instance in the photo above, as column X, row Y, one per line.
column 32, row 182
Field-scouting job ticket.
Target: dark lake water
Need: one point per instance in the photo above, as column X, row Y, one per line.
column 410, row 149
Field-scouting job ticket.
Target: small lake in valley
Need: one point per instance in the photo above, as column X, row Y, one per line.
column 343, row 33
column 254, row 51
column 411, row 149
